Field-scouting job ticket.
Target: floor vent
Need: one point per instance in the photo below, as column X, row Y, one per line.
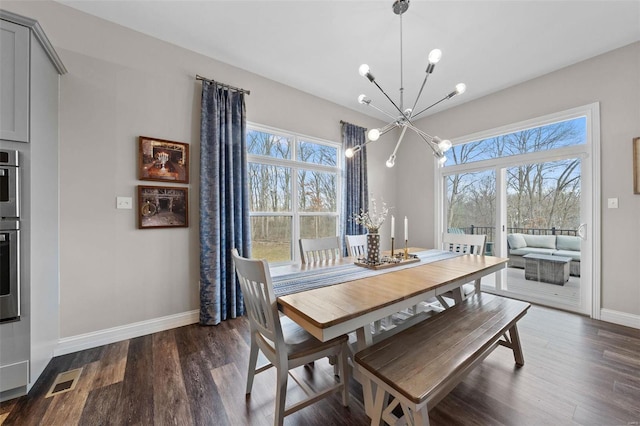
column 65, row 382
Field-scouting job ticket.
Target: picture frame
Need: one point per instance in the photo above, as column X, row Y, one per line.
column 163, row 207
column 636, row 165
column 163, row 160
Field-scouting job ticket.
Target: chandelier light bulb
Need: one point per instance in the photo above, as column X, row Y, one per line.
column 434, row 56
column 373, row 134
column 461, row 88
column 350, row 152
column 363, row 99
column 442, row 160
column 364, row 70
column 391, row 161
column 444, row 145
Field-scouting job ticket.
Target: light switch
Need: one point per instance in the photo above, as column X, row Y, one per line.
column 612, row 203
column 124, row 203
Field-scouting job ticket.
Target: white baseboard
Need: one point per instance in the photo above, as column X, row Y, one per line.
column 81, row 342
column 620, row 318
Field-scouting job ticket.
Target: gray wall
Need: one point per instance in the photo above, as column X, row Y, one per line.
column 613, row 80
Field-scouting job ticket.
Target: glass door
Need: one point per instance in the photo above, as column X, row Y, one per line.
column 531, row 189
column 543, row 205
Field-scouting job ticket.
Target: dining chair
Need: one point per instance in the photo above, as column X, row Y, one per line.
column 319, row 249
column 463, row 244
column 356, row 245
column 284, row 343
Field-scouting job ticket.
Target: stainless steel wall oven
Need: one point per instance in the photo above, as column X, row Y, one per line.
column 9, row 236
column 9, row 184
column 9, row 270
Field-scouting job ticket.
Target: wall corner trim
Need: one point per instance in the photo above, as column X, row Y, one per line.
column 94, row 339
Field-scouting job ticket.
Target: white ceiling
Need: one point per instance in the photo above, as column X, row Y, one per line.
column 317, row 46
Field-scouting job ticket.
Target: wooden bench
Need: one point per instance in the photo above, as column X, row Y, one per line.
column 422, row 364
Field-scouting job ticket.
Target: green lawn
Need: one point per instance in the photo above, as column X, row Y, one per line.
column 270, row 250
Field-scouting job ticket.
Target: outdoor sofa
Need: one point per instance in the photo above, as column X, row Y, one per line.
column 554, row 245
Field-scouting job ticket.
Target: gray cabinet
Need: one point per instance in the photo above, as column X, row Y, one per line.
column 14, row 82
column 29, row 82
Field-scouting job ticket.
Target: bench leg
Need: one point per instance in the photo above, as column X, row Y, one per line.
column 515, row 345
column 380, row 404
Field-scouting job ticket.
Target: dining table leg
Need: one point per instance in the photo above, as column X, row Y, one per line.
column 363, row 340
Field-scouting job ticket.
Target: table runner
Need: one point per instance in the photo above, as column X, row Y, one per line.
column 307, row 280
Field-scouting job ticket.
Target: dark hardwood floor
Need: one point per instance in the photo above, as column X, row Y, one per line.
column 577, row 371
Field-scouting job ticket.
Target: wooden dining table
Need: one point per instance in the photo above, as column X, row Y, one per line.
column 353, row 305
column 331, row 311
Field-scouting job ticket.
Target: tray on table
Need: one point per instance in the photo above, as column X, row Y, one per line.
column 412, row 258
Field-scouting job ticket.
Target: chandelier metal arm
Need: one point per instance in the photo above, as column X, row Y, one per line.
column 404, row 129
column 449, row 96
column 391, row 116
column 411, row 114
column 390, row 100
column 429, row 140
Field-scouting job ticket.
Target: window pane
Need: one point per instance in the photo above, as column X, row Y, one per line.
column 543, row 138
column 315, row 153
column 271, row 238
column 544, row 198
column 317, row 226
column 471, row 199
column 317, row 191
column 261, row 143
column 269, row 188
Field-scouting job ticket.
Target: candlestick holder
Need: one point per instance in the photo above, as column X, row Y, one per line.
column 406, row 249
column 392, row 241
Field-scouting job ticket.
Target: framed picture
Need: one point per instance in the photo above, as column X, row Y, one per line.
column 162, row 160
column 163, row 207
column 636, row 166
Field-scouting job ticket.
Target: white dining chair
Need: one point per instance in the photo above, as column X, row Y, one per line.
column 464, row 244
column 283, row 342
column 319, row 249
column 356, row 245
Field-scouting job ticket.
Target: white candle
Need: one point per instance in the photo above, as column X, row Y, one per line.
column 393, row 226
column 406, row 228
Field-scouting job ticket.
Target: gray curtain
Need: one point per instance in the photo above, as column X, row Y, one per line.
column 355, row 184
column 224, row 201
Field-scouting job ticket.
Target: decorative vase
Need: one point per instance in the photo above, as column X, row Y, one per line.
column 373, row 248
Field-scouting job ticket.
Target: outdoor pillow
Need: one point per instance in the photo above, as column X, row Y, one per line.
column 541, row 241
column 567, row 242
column 516, row 241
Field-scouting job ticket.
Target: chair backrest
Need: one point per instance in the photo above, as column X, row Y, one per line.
column 259, row 298
column 319, row 249
column 356, row 245
column 464, row 243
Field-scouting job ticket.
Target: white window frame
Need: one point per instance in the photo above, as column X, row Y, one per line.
column 295, row 165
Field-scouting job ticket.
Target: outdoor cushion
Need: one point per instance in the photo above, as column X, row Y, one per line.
column 516, row 241
column 567, row 242
column 540, row 241
column 574, row 255
column 529, row 250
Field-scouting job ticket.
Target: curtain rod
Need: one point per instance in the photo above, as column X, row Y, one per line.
column 237, row 89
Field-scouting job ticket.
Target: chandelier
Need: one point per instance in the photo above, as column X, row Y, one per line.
column 403, row 118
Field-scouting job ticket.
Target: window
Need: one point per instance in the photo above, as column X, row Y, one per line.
column 294, row 187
